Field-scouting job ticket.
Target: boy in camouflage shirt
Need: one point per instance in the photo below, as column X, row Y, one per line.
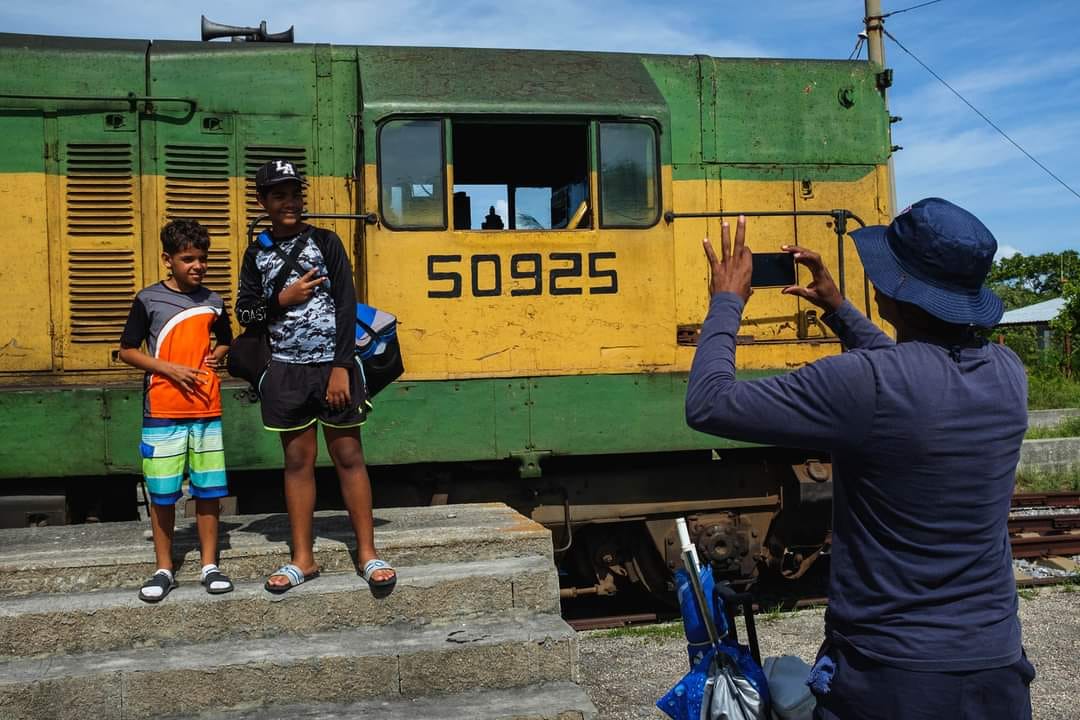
column 313, row 376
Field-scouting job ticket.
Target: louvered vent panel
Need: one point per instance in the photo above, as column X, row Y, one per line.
column 257, row 155
column 100, row 189
column 197, row 188
column 101, row 284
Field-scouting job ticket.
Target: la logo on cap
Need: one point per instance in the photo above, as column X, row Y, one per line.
column 285, row 167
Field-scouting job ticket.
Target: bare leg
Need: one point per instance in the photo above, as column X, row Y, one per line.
column 163, row 522
column 300, row 449
column 206, row 520
column 348, row 456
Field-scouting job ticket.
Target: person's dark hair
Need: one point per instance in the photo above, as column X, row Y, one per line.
column 179, row 234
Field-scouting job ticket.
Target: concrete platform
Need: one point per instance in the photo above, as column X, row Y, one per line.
column 41, row 624
column 340, row 667
column 551, row 701
column 118, row 555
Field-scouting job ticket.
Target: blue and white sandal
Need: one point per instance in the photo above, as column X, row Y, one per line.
column 295, row 576
column 373, row 566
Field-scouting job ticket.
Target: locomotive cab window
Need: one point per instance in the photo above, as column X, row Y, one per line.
column 520, row 176
column 629, row 184
column 411, row 174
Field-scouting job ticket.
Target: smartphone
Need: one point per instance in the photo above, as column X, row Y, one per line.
column 773, row 270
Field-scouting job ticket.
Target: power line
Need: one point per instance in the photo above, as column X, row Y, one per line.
column 858, row 46
column 897, row 12
column 979, row 113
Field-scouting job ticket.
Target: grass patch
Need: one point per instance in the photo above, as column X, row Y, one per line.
column 659, row 631
column 1052, row 391
column 1028, row 593
column 772, row 614
column 1069, row 428
column 1038, row 482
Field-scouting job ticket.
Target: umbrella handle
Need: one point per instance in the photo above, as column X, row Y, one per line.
column 690, row 562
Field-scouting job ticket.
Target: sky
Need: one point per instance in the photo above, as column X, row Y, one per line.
column 1018, row 61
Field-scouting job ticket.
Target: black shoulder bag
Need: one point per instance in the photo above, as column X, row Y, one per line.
column 249, row 353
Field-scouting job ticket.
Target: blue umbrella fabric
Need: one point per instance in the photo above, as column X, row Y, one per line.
column 724, row 682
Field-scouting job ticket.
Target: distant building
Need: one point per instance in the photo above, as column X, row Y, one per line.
column 1037, row 316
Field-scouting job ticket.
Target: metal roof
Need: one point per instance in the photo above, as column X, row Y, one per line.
column 460, row 80
column 1042, row 312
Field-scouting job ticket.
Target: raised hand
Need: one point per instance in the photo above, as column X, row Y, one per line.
column 821, row 291
column 730, row 272
column 301, row 290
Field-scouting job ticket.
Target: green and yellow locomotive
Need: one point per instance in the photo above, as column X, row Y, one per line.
column 533, row 218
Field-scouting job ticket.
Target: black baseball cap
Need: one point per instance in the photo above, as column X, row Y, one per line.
column 276, row 172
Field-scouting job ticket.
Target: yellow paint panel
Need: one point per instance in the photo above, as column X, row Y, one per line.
column 25, row 340
column 525, row 302
column 862, row 198
column 781, row 329
column 691, row 272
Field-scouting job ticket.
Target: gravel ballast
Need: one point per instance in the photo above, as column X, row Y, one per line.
column 624, row 675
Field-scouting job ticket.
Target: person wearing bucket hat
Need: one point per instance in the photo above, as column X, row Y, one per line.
column 934, row 255
column 924, row 435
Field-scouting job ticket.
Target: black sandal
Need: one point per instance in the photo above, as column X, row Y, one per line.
column 216, row 576
column 162, row 580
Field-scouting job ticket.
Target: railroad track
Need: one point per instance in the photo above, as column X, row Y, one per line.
column 1049, row 500
column 1040, row 526
column 1045, row 524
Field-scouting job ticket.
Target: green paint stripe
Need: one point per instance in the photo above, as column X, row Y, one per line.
column 772, row 172
column 446, row 421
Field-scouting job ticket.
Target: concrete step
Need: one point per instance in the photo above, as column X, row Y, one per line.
column 517, row 650
column 113, row 619
column 120, row 555
column 550, row 701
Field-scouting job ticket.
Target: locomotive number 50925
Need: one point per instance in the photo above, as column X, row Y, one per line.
column 562, row 275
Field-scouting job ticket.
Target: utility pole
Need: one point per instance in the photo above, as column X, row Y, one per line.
column 875, row 39
column 875, row 49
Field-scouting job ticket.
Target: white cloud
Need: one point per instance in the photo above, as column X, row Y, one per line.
column 1005, row 251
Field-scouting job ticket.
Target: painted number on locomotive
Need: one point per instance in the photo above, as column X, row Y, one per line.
column 483, row 274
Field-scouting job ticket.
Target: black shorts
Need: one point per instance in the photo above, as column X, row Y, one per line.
column 293, row 397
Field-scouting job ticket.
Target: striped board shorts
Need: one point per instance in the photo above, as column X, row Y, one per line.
column 172, row 449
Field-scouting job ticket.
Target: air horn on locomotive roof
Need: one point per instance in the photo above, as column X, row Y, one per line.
column 211, row 30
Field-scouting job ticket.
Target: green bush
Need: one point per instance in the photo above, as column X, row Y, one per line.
column 1041, row 482
column 1069, row 428
column 1049, row 390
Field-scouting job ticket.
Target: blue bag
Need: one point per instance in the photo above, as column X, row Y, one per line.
column 377, row 348
column 724, row 679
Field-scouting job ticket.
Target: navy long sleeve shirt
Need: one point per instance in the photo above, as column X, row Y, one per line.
column 924, row 440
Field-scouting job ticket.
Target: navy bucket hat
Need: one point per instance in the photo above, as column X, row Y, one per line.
column 934, row 255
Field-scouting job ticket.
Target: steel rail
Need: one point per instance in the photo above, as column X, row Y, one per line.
column 1043, row 524
column 1037, row 546
column 1049, row 499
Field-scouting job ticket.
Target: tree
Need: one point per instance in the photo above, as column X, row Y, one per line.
column 1067, row 324
column 1021, row 280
